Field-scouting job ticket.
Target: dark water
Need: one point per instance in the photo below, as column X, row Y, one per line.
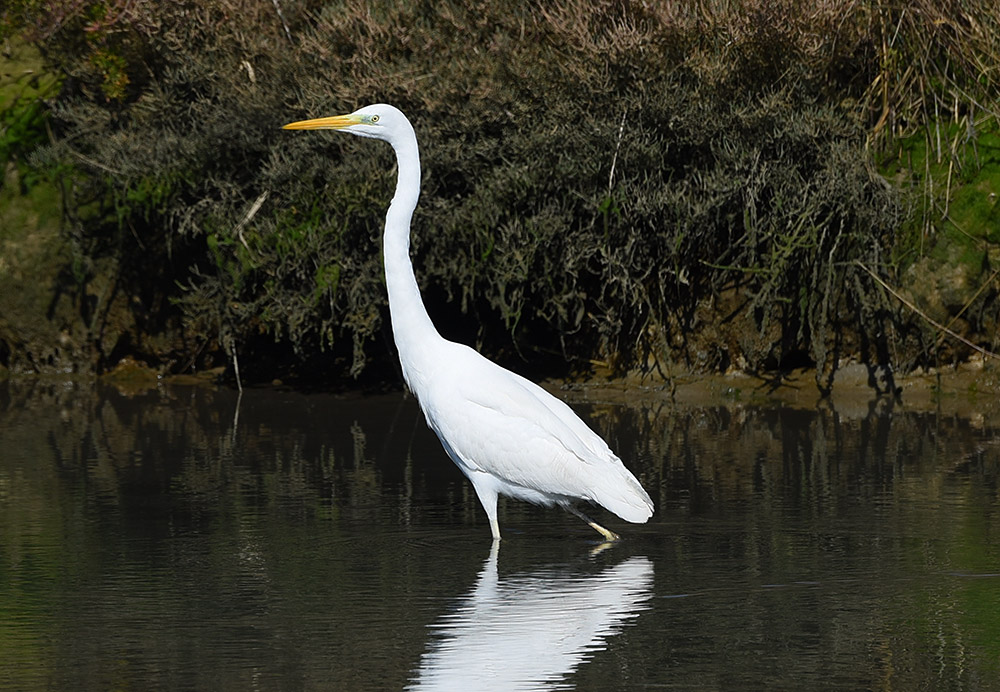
column 158, row 541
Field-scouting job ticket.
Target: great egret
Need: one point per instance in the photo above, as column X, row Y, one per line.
column 507, row 435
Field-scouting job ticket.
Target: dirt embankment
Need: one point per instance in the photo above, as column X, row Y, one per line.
column 970, row 390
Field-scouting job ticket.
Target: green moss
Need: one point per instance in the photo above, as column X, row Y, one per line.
column 955, row 188
column 31, row 247
column 24, row 83
column 28, row 212
column 974, row 208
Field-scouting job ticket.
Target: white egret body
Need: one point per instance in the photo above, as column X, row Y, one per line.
column 507, row 435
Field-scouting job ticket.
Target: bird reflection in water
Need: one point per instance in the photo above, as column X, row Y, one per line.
column 529, row 631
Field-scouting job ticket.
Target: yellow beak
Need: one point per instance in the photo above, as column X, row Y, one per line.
column 336, row 122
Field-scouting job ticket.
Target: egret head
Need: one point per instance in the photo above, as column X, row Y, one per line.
column 379, row 121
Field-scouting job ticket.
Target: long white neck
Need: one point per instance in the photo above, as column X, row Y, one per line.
column 412, row 328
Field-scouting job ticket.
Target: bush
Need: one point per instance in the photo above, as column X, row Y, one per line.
column 629, row 175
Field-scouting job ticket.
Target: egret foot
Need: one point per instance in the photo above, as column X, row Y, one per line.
column 608, row 535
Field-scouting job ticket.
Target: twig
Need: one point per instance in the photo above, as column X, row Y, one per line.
column 236, row 415
column 917, row 310
column 95, row 164
column 236, row 365
column 967, row 304
column 254, row 208
column 251, row 75
column 281, row 17
column 614, row 159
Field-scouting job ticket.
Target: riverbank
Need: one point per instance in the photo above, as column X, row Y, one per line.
column 723, row 188
column 970, row 390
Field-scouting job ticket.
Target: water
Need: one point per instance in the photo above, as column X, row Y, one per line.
column 172, row 540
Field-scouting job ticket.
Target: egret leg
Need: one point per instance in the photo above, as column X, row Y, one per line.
column 488, row 499
column 608, row 535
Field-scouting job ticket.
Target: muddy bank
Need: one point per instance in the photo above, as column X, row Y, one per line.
column 970, row 390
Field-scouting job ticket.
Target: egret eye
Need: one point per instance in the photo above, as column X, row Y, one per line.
column 373, row 119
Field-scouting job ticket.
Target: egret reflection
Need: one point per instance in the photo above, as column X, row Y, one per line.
column 529, row 631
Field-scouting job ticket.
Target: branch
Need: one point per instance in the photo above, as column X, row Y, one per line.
column 917, row 310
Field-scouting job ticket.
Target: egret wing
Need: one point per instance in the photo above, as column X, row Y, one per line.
column 495, row 421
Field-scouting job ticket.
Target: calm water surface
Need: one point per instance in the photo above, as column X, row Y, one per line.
column 177, row 540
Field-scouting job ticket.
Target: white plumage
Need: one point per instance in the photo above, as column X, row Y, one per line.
column 507, row 435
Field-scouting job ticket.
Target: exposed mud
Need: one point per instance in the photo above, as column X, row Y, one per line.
column 970, row 391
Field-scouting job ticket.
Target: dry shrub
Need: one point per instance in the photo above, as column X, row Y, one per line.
column 596, row 170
